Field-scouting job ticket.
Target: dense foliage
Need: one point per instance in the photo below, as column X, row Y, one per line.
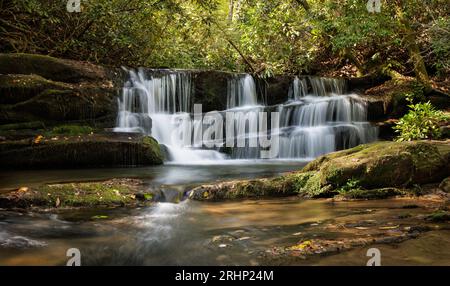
column 421, row 122
column 258, row 36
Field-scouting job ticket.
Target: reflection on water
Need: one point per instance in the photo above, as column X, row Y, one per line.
column 166, row 174
column 193, row 233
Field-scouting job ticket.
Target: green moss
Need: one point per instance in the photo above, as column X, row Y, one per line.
column 18, row 88
column 72, row 130
column 153, row 150
column 23, row 125
column 112, row 193
column 371, row 194
column 371, row 171
column 84, row 194
column 439, row 216
column 48, row 67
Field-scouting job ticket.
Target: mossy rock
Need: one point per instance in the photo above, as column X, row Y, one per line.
column 381, row 169
column 71, row 130
column 389, row 98
column 374, row 194
column 80, row 151
column 63, row 105
column 445, row 185
column 17, row 88
column 112, row 193
column 385, row 164
column 439, row 216
column 50, row 68
column 23, row 125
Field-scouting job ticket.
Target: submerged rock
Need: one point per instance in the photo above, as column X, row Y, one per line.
column 376, row 170
column 80, row 151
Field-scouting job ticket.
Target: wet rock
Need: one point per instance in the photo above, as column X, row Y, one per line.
column 374, row 194
column 277, row 187
column 386, row 129
column 439, row 216
column 111, row 193
column 359, row 84
column 382, row 168
column 445, row 185
column 80, row 151
column 384, row 164
column 47, row 89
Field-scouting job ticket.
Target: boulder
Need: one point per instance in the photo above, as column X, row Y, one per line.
column 63, row 105
column 111, row 193
column 80, row 151
column 51, row 68
column 15, row 88
column 51, row 90
column 374, row 170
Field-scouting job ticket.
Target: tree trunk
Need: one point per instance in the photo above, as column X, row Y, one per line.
column 230, row 10
column 413, row 49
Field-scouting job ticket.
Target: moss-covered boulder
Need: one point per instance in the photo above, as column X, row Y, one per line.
column 111, row 193
column 50, row 90
column 15, row 88
column 385, row 164
column 376, row 170
column 63, row 105
column 91, row 150
column 277, row 187
column 50, row 68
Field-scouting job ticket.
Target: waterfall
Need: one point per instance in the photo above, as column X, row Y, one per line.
column 241, row 92
column 318, row 117
column 154, row 105
column 298, row 89
column 318, row 125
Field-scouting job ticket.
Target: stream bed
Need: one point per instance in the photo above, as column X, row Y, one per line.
column 197, row 233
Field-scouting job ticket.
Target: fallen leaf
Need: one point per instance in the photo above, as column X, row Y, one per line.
column 389, row 227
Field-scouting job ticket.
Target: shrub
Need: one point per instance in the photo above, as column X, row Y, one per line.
column 421, row 122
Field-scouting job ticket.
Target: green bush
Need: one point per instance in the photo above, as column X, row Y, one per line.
column 421, row 122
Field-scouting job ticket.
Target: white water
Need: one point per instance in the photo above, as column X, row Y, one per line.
column 153, row 105
column 241, row 92
column 317, row 118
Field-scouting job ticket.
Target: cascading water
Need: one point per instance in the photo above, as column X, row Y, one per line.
column 241, row 92
column 153, row 105
column 318, row 117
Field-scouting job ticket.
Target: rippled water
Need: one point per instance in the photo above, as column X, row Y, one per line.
column 194, row 233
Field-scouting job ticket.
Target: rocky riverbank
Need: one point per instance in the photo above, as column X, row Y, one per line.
column 376, row 170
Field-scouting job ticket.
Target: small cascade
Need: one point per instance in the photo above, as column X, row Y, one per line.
column 318, row 125
column 241, row 92
column 322, row 86
column 298, row 89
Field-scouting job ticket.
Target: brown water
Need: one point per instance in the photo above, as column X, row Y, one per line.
column 193, row 233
